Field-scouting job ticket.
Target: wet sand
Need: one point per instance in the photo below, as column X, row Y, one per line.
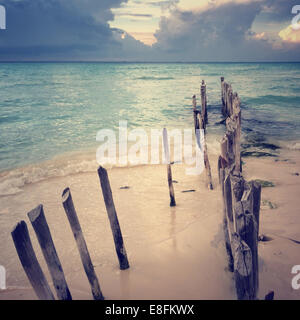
column 174, row 253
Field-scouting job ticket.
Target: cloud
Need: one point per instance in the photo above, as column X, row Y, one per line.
column 290, row 35
column 80, row 30
column 279, row 10
column 58, row 29
column 220, row 32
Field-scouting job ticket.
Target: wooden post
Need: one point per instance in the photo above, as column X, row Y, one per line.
column 226, row 231
column 30, row 263
column 169, row 170
column 222, row 93
column 113, row 218
column 81, row 244
column 224, row 148
column 195, row 112
column 206, row 160
column 242, row 268
column 237, row 118
column 256, row 202
column 204, row 102
column 247, row 229
column 40, row 226
column 252, row 192
column 228, row 197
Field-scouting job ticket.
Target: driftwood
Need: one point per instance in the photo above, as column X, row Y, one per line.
column 30, row 263
column 40, row 226
column 81, row 244
column 113, row 218
column 169, row 170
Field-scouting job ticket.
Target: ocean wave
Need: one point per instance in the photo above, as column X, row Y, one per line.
column 12, row 182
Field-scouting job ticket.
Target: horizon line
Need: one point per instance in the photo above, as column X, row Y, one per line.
column 125, row 61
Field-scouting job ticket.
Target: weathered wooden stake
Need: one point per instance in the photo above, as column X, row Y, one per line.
column 242, row 268
column 40, row 226
column 30, row 263
column 195, row 112
column 81, row 244
column 256, row 194
column 206, row 160
column 204, row 102
column 247, row 229
column 169, row 170
column 222, row 93
column 227, row 236
column 113, row 218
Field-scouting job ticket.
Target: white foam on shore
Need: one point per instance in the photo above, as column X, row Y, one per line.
column 13, row 181
column 295, row 145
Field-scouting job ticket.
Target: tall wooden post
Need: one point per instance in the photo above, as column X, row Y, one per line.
column 30, row 263
column 222, row 92
column 113, row 218
column 206, row 160
column 81, row 244
column 169, row 170
column 195, row 112
column 204, row 103
column 40, row 226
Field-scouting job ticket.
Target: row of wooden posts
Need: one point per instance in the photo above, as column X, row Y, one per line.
column 200, row 122
column 241, row 203
column 38, row 220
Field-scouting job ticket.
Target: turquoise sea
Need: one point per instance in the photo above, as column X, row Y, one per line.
column 49, row 109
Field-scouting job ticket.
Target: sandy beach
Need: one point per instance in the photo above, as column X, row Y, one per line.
column 174, row 253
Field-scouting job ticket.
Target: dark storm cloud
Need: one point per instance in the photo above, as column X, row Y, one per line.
column 279, row 10
column 38, row 29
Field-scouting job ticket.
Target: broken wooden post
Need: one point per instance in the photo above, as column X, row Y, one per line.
column 113, row 218
column 169, row 170
column 204, row 102
column 40, row 226
column 247, row 229
column 30, row 263
column 256, row 194
column 242, row 268
column 206, row 160
column 81, row 244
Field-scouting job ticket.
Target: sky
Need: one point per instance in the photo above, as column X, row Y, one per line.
column 149, row 30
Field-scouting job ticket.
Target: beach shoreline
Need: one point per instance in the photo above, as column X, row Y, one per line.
column 175, row 253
